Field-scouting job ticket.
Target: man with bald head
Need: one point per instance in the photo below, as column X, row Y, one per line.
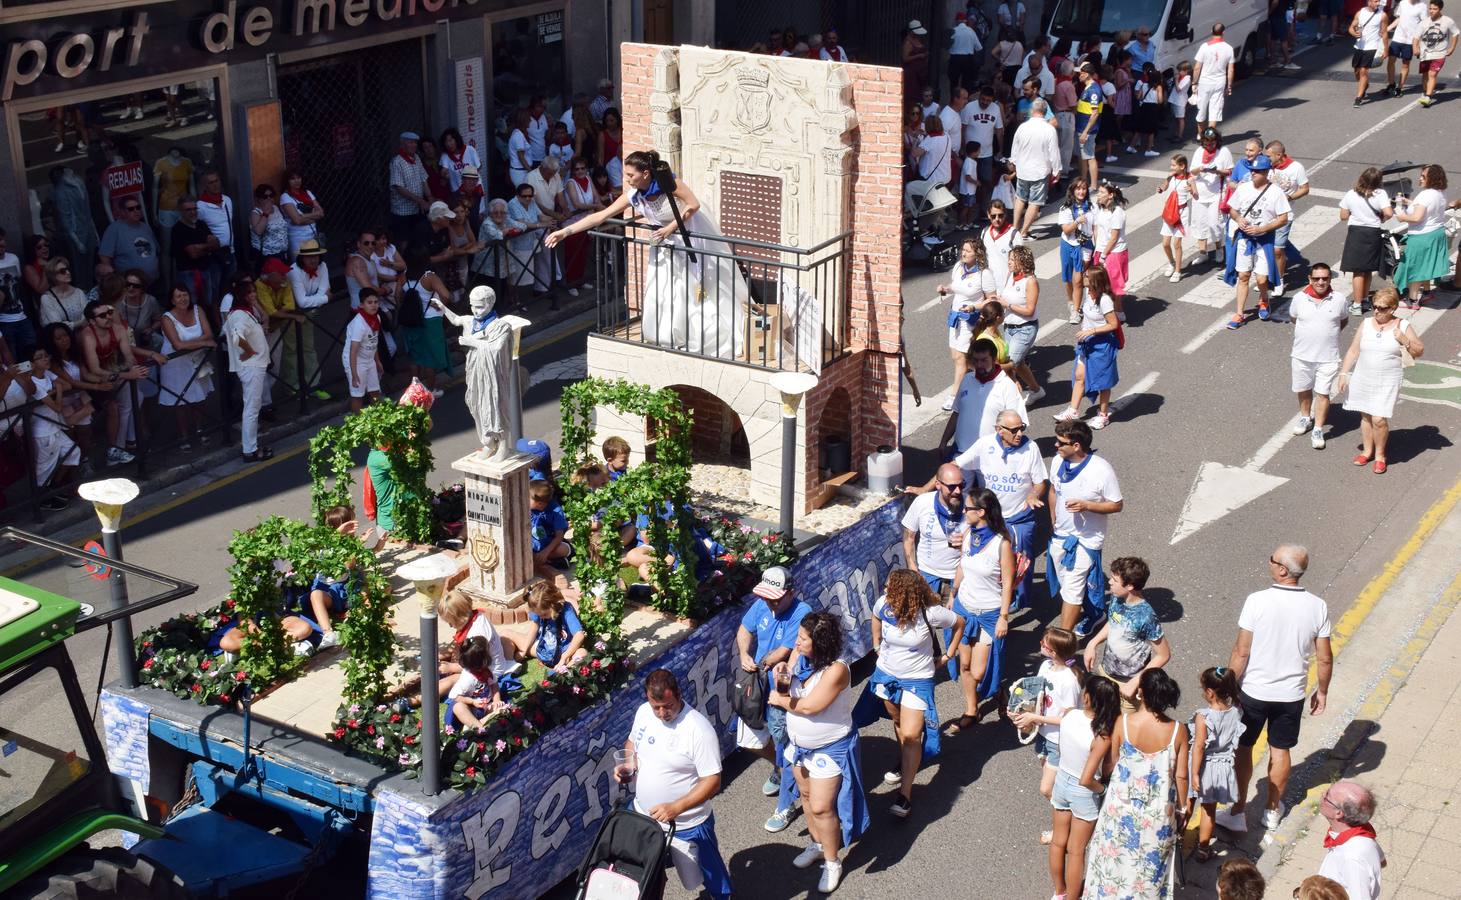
column 1279, row 630
column 933, row 528
column 1008, row 463
column 1353, row 857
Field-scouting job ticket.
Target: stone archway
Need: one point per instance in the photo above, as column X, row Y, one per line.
column 716, row 432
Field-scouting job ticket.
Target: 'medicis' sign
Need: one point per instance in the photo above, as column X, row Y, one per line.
column 175, row 36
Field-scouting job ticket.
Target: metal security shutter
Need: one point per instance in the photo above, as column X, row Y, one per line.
column 750, row 209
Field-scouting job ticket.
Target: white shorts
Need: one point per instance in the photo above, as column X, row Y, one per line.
column 984, row 636
column 1205, row 223
column 1313, row 376
column 1073, row 580
column 960, row 336
column 752, row 738
column 55, row 449
column 817, row 764
column 369, row 378
column 1210, row 104
column 1183, row 230
column 908, row 700
column 1255, row 262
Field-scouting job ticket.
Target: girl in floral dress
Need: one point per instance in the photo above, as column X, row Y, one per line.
column 1130, row 855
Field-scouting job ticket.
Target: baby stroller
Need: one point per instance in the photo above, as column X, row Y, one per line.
column 627, row 860
column 925, row 205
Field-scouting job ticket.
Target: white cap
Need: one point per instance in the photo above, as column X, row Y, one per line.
column 440, row 210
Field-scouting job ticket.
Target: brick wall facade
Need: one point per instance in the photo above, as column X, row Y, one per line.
column 869, row 373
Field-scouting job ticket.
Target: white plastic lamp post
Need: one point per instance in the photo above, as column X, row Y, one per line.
column 429, row 574
column 108, row 497
column 792, row 386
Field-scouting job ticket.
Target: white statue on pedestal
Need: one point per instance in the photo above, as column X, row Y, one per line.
column 494, row 392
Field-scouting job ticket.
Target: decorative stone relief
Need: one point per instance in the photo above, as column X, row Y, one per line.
column 664, row 107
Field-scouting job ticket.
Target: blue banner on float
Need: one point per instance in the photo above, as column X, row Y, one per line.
column 530, row 828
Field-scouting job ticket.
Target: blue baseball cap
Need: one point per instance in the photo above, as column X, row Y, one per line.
column 1260, row 163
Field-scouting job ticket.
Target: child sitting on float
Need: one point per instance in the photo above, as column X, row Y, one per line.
column 457, row 611
column 475, row 695
column 558, row 633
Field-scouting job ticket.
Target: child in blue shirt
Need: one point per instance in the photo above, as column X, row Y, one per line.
column 549, row 526
column 558, row 634
column 616, row 457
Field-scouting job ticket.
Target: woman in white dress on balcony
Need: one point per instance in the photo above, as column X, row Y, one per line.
column 698, row 307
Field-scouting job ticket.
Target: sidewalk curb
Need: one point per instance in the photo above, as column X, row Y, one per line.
column 1276, row 847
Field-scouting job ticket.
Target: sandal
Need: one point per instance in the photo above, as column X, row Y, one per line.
column 1380, row 467
column 1203, row 853
column 1046, row 837
column 963, row 724
column 1361, row 459
column 259, row 455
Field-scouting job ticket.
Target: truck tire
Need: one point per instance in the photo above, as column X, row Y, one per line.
column 85, row 873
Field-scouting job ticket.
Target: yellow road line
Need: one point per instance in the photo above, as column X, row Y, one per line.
column 1360, row 610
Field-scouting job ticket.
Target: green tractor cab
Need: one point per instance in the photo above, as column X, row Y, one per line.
column 56, row 791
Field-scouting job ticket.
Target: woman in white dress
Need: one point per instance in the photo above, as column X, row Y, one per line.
column 187, row 380
column 1372, row 372
column 698, row 307
column 970, row 283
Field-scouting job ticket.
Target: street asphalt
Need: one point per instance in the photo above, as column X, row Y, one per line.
column 1193, row 396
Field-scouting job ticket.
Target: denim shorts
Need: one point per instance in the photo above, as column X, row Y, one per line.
column 1088, row 146
column 1020, row 338
column 1069, row 796
column 1048, row 750
column 1281, row 238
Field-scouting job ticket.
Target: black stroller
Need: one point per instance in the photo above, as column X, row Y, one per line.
column 627, row 859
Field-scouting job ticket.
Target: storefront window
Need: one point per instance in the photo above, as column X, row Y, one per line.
column 86, row 161
column 527, row 61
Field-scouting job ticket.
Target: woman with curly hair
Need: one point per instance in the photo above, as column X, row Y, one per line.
column 813, row 688
column 906, row 623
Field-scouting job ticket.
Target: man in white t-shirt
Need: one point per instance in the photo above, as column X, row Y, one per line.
column 933, row 528
column 1212, row 78
column 1084, row 495
column 537, row 131
column 985, row 392
column 984, row 123
column 676, row 772
column 1035, row 67
column 1289, row 176
column 1008, row 462
column 952, row 115
column 1279, row 629
column 964, row 47
column 1258, row 209
column 1319, row 314
column 1407, row 20
column 1352, row 854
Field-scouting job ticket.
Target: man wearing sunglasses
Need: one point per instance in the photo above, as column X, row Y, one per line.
column 1320, row 314
column 934, row 528
column 1008, row 462
column 129, row 243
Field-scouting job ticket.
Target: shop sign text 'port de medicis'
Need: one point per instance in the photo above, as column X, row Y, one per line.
column 63, row 52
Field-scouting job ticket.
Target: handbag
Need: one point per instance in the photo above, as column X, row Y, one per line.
column 1027, row 696
column 749, row 697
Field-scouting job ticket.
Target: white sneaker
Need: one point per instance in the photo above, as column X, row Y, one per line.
column 1151, row 153
column 1099, row 421
column 1075, row 317
column 1065, row 415
column 573, row 292
column 808, row 857
column 1272, row 817
column 1034, row 396
column 1130, row 149
column 118, row 456
column 302, row 648
column 137, row 113
column 1174, row 277
column 81, row 146
column 1235, row 822
column 1276, row 290
column 329, row 639
column 438, row 393
column 1111, row 158
column 60, row 146
column 948, row 405
column 1292, row 66
column 1316, row 439
column 1303, row 425
column 831, row 877
column 892, row 778
column 182, row 121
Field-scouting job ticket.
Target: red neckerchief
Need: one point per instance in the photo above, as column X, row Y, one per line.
column 999, row 234
column 301, row 196
column 410, row 158
column 215, row 199
column 582, row 183
column 1018, row 278
column 1208, row 155
column 986, row 379
column 835, row 53
column 1309, row 289
column 372, row 320
column 1334, row 840
column 1284, row 164
column 246, row 309
column 457, row 157
column 1216, row 39
column 461, row 634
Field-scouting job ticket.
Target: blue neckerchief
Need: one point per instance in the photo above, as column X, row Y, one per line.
column 654, row 190
column 887, row 616
column 480, row 324
column 1067, row 473
column 1006, row 451
column 802, row 670
column 966, row 271
column 978, row 538
column 945, row 518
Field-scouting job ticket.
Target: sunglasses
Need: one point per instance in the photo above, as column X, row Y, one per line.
column 102, row 313
column 1384, row 309
column 1318, row 277
column 1016, row 429
column 1061, row 443
column 956, row 486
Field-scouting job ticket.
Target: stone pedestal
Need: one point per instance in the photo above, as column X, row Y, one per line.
column 498, row 535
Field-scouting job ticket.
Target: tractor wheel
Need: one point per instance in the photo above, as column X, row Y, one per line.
column 85, row 873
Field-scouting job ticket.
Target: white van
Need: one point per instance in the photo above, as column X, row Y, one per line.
column 1179, row 27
